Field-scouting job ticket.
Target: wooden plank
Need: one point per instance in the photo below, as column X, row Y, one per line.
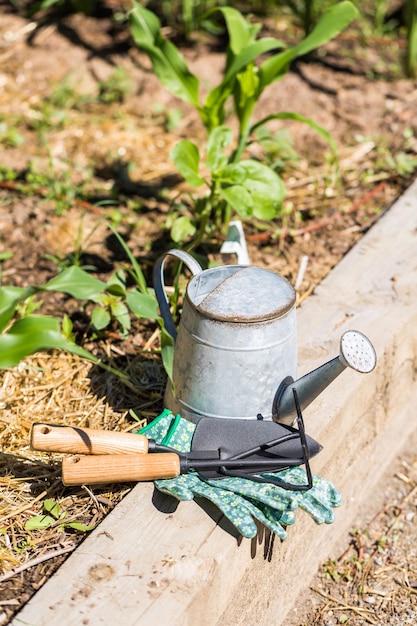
column 147, row 562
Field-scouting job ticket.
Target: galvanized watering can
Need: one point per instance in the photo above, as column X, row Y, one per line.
column 236, row 348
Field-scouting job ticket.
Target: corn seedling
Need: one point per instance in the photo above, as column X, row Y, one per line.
column 226, row 182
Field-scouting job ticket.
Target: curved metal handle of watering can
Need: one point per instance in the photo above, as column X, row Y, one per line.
column 159, row 285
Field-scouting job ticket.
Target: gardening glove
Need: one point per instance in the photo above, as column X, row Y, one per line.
column 270, row 501
column 319, row 501
column 177, row 433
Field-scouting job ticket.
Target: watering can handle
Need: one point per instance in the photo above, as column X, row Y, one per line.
column 159, row 285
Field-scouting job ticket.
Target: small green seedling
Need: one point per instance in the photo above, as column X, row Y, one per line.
column 55, row 516
column 116, row 87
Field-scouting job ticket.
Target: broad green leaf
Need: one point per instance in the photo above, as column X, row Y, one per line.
column 67, row 326
column 248, row 82
column 100, row 318
column 264, row 186
column 331, row 24
column 142, row 305
column 182, row 229
column 101, row 298
column 186, row 159
column 218, row 140
column 232, row 174
column 34, row 333
column 250, row 54
column 241, row 31
column 173, row 73
column 167, row 62
column 39, row 522
column 116, row 285
column 52, row 507
column 299, row 118
column 10, row 297
column 121, row 313
column 239, row 199
column 76, row 282
column 266, row 208
column 144, row 24
column 245, row 95
column 212, row 112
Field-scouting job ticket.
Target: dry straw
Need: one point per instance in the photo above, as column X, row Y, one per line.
column 60, row 389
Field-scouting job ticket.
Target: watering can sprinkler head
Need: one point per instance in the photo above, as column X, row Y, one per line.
column 356, row 352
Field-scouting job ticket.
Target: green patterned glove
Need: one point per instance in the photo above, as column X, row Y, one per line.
column 177, row 433
column 319, row 501
column 240, row 511
column 241, row 499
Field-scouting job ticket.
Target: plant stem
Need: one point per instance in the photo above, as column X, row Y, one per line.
column 411, row 22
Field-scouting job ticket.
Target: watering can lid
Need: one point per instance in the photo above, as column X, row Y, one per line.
column 251, row 294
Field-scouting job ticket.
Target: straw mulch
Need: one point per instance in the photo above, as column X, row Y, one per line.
column 60, row 389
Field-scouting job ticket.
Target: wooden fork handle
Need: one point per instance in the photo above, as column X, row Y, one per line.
column 52, row 438
column 92, row 470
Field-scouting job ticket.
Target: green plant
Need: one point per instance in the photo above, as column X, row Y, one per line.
column 233, row 184
column 111, row 300
column 63, row 95
column 382, row 20
column 23, row 333
column 107, row 298
column 83, row 6
column 410, row 16
column 7, row 174
column 58, row 187
column 10, row 136
column 46, row 117
column 55, row 515
column 402, row 163
column 186, row 16
column 278, row 150
column 116, row 87
column 307, row 12
column 53, row 184
column 142, row 303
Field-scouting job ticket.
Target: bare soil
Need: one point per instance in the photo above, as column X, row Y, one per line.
column 354, row 89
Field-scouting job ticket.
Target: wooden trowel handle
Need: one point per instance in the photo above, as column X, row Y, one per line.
column 92, row 470
column 85, row 440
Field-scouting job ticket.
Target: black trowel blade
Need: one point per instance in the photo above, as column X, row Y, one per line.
column 236, row 436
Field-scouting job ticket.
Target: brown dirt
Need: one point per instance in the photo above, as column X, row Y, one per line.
column 356, row 92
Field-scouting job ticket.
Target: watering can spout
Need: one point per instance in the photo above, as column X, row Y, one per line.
column 356, row 352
